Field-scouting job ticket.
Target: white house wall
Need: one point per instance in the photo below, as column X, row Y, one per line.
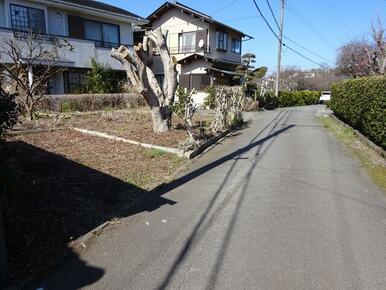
column 56, row 23
column 174, row 21
column 195, row 67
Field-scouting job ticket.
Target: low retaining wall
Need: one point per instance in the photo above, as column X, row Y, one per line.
column 362, row 137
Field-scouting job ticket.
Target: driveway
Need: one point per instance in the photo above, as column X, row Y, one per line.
column 279, row 205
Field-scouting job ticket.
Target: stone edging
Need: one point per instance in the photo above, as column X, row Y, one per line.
column 377, row 149
column 193, row 153
column 115, row 138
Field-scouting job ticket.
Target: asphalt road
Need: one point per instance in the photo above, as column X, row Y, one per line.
column 280, row 205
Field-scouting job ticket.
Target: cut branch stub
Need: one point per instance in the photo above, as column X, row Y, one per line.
column 137, row 63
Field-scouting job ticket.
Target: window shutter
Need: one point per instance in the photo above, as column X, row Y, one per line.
column 75, row 26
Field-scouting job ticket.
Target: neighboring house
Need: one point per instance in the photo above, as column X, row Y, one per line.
column 207, row 51
column 91, row 27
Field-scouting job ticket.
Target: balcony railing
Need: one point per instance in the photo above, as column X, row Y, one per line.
column 189, row 49
column 53, row 37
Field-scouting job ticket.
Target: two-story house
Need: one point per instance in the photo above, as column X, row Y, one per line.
column 207, row 50
column 92, row 28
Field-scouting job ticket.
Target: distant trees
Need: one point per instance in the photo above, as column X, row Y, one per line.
column 360, row 58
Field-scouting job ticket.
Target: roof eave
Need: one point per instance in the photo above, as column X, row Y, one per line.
column 136, row 20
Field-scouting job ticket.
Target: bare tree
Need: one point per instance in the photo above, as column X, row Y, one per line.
column 353, row 58
column 377, row 52
column 138, row 65
column 22, row 56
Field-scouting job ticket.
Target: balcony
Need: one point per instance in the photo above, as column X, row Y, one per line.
column 52, row 37
column 83, row 50
column 189, row 49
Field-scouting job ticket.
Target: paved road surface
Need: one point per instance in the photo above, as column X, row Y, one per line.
column 281, row 205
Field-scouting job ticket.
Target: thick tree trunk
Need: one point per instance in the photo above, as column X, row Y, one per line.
column 162, row 119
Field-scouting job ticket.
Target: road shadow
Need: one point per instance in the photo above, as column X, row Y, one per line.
column 49, row 195
column 205, row 220
column 48, row 201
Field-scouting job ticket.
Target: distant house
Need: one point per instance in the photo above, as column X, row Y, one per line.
column 91, row 27
column 207, row 50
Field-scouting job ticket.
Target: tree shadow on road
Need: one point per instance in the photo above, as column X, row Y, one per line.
column 255, row 143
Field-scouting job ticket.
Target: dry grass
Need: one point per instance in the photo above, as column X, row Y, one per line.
column 133, row 124
column 374, row 165
column 57, row 186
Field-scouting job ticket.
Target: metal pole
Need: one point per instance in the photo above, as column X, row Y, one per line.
column 280, row 48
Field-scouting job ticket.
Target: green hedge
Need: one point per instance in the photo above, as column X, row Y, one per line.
column 361, row 103
column 9, row 111
column 298, row 98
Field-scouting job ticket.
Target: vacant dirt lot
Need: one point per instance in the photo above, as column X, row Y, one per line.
column 56, row 186
column 133, row 124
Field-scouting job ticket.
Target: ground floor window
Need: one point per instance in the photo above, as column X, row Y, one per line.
column 74, row 81
column 195, row 81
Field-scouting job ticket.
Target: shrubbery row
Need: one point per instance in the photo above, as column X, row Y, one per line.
column 91, row 102
column 298, row 98
column 8, row 111
column 361, row 103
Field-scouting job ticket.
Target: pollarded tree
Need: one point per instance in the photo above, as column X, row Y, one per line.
column 138, row 65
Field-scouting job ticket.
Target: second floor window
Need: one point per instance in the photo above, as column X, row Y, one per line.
column 236, row 45
column 27, row 19
column 221, row 40
column 187, row 42
column 103, row 34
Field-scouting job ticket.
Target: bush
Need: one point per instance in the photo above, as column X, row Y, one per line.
column 210, row 99
column 298, row 98
column 8, row 112
column 101, row 79
column 361, row 103
column 91, row 102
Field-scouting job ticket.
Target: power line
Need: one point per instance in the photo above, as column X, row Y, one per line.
column 273, row 14
column 310, row 51
column 294, row 42
column 340, row 17
column 290, row 48
column 305, row 57
column 265, row 20
column 307, row 24
column 224, row 7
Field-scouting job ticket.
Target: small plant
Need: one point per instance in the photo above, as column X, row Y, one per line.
column 154, row 153
column 185, row 109
column 210, row 100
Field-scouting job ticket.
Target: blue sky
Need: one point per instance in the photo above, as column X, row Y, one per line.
column 319, row 25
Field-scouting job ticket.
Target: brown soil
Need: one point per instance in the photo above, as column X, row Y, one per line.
column 57, row 186
column 133, row 124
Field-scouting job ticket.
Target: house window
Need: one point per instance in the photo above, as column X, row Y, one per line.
column 221, row 40
column 74, row 81
column 103, row 34
column 187, row 42
column 236, row 45
column 27, row 19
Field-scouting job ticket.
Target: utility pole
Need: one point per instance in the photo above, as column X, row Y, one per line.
column 280, row 48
